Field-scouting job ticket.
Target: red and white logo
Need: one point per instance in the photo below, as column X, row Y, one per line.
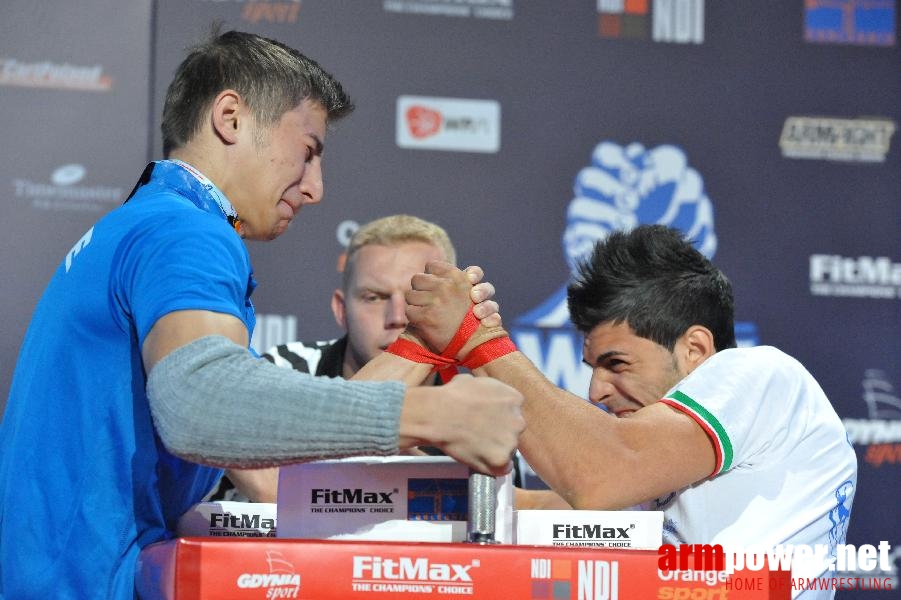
column 423, row 121
column 455, row 124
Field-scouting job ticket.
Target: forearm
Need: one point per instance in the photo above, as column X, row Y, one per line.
column 215, row 404
column 390, row 367
column 595, row 460
column 549, row 443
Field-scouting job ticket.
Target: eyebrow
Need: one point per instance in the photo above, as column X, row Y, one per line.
column 319, row 145
column 603, row 357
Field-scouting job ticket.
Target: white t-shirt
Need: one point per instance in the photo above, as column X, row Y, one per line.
column 786, row 472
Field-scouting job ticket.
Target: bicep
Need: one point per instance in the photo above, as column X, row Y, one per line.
column 675, row 451
column 178, row 328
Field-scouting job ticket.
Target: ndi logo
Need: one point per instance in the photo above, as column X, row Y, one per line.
column 674, row 21
column 595, row 579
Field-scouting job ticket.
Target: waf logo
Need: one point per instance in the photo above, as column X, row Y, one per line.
column 423, row 121
column 280, row 582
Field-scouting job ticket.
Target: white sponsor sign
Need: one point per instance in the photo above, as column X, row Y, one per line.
column 458, row 125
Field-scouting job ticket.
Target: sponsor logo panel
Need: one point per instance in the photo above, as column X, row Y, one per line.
column 281, row 580
column 226, row 524
column 827, row 138
column 352, row 500
column 259, row 11
column 671, row 21
column 453, row 124
column 859, row 22
column 501, row 10
column 54, row 75
column 876, row 277
column 412, row 575
column 591, row 535
column 437, row 499
column 554, row 579
column 64, row 191
column 878, row 435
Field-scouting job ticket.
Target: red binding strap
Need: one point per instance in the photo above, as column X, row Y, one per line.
column 416, row 353
column 488, row 351
column 446, row 363
column 468, row 326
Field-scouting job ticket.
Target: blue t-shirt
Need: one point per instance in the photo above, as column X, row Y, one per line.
column 85, row 482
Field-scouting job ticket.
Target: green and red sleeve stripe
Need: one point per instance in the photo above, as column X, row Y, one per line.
column 722, row 445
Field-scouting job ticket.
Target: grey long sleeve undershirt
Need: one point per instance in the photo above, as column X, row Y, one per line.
column 215, row 404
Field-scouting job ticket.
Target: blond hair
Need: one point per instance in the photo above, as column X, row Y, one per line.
column 398, row 229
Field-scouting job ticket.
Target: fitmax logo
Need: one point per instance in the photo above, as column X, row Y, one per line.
column 410, row 569
column 350, row 496
column 590, row 532
column 243, row 521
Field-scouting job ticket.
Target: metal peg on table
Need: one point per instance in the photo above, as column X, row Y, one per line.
column 482, row 509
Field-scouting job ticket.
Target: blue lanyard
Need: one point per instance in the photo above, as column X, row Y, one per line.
column 218, row 197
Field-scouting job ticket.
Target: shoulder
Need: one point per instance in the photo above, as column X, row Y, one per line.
column 761, row 362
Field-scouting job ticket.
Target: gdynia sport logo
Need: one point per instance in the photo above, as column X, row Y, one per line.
column 818, row 567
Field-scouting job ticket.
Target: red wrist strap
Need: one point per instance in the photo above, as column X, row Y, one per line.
column 446, row 363
column 487, row 352
column 468, row 326
column 413, row 351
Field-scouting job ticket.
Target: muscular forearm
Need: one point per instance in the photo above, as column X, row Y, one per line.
column 554, row 441
column 593, row 459
column 213, row 403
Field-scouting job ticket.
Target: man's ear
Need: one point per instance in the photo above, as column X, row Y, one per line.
column 339, row 309
column 227, row 115
column 696, row 346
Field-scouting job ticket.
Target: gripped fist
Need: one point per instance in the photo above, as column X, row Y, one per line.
column 439, row 301
column 486, row 309
column 485, row 419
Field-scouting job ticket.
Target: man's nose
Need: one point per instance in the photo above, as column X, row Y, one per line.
column 311, row 185
column 600, row 390
column 396, row 315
